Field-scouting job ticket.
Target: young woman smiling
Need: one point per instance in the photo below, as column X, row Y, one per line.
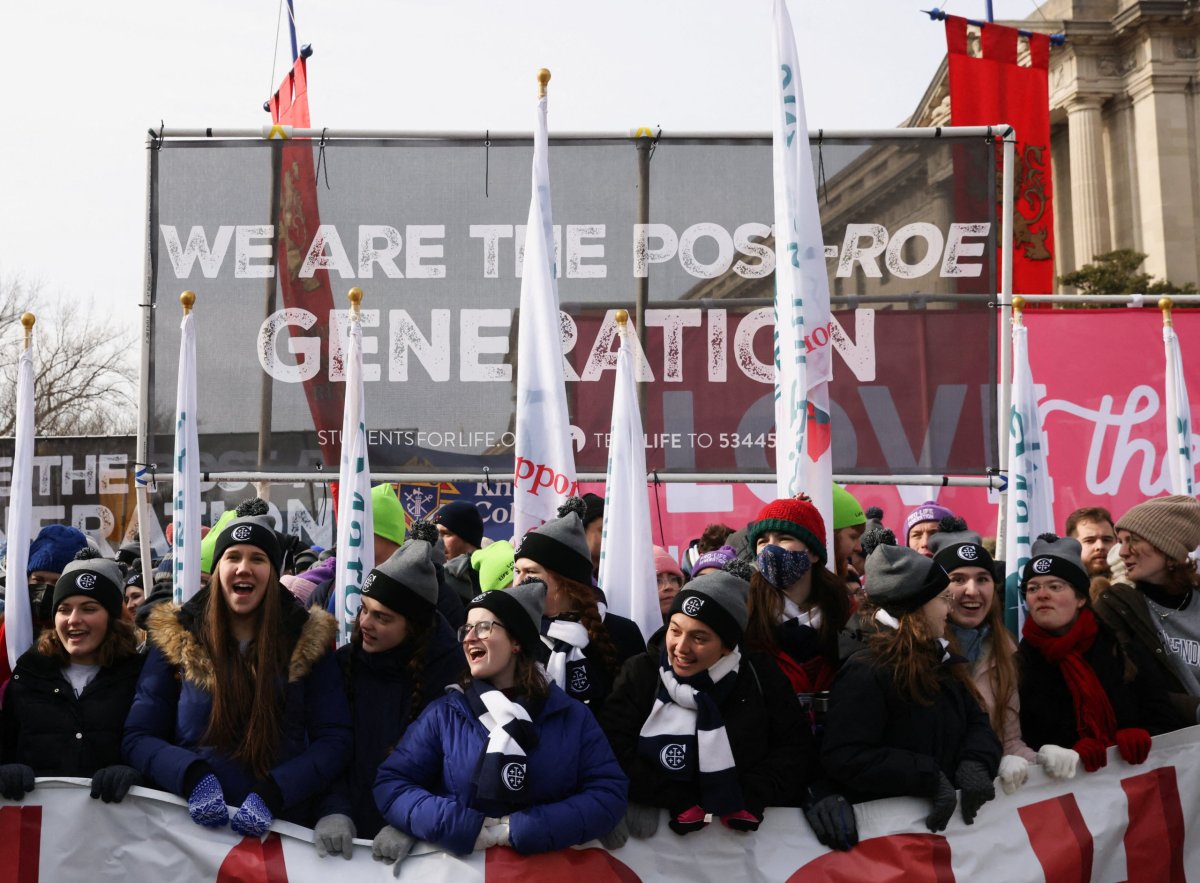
column 1154, row 607
column 1079, row 687
column 506, row 758
column 977, row 632
column 240, row 699
column 65, row 706
column 701, row 728
column 401, row 656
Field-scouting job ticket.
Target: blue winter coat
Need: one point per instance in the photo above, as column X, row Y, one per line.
column 380, row 689
column 578, row 788
column 173, row 704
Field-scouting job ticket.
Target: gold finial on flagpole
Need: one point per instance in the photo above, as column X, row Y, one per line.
column 543, row 77
column 355, row 298
column 27, row 320
column 622, row 321
column 188, row 300
column 1166, row 305
column 1018, row 307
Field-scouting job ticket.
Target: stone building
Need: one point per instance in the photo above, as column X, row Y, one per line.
column 1124, row 112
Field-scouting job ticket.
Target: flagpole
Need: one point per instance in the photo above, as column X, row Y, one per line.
column 18, row 623
column 1178, row 467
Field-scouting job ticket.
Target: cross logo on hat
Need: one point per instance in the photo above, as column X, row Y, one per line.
column 1042, row 565
column 478, row 598
column 86, row 581
column 692, row 605
column 368, row 582
column 242, row 533
column 513, row 775
column 968, row 553
column 673, row 756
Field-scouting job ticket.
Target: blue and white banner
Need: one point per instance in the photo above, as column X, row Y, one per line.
column 185, row 487
column 355, row 523
column 626, row 550
column 1132, row 823
column 803, row 340
column 1030, row 494
column 1178, row 414
column 545, row 459
column 18, row 619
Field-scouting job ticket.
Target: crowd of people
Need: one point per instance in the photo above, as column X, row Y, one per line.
column 488, row 696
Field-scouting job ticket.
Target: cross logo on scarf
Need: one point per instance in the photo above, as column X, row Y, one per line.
column 579, row 680
column 674, row 756
column 513, row 776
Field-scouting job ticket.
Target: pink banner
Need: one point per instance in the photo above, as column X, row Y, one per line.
column 1102, row 372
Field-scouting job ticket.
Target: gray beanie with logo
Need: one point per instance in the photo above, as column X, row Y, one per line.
column 1058, row 556
column 719, row 599
column 560, row 545
column 520, row 610
column 93, row 577
column 407, row 582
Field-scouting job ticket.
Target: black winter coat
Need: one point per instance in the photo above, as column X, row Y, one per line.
column 380, row 689
column 1048, row 714
column 879, row 744
column 58, row 734
column 770, row 740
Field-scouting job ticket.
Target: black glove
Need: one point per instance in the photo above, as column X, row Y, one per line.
column 944, row 801
column 977, row 787
column 16, row 780
column 112, row 783
column 832, row 820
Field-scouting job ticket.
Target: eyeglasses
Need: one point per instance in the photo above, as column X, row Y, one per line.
column 1056, row 586
column 482, row 629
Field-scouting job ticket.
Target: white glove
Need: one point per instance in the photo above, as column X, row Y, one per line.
column 1014, row 771
column 1059, row 763
column 493, row 833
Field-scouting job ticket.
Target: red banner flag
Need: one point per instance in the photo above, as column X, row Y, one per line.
column 996, row 88
column 297, row 221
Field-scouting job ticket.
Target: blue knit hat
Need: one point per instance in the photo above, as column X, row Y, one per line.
column 55, row 548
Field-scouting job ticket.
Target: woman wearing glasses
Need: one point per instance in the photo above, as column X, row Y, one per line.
column 505, row 758
column 401, row 656
column 1079, row 689
column 1153, row 610
column 904, row 718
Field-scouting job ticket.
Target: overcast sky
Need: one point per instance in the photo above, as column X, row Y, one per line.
column 83, row 82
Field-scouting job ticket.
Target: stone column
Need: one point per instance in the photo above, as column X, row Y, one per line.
column 1089, row 192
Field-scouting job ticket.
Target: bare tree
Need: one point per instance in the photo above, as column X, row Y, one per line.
column 85, row 380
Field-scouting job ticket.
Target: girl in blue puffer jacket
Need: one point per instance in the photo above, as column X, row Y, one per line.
column 506, row 759
column 240, row 700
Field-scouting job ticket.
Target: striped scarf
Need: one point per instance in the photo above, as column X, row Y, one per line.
column 685, row 732
column 502, row 774
column 568, row 665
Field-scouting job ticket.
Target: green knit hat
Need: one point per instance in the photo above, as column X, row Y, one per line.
column 495, row 565
column 208, row 545
column 387, row 513
column 847, row 511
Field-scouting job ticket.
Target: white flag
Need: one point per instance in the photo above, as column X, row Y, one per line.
column 355, row 523
column 803, row 342
column 627, row 575
column 185, row 507
column 1029, row 494
column 1180, row 466
column 545, row 461
column 18, row 619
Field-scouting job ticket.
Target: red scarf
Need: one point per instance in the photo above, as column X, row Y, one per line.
column 1093, row 712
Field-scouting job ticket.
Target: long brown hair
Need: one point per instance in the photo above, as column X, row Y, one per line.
column 910, row 653
column 583, row 601
column 1182, row 576
column 827, row 594
column 120, row 640
column 246, row 706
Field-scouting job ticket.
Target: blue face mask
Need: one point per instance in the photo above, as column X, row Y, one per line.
column 782, row 568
